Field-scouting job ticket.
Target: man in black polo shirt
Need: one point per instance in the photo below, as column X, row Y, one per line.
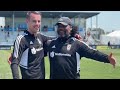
column 65, row 53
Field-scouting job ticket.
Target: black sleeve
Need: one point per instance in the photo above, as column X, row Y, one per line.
column 46, row 38
column 45, row 41
column 15, row 72
column 86, row 51
column 16, row 56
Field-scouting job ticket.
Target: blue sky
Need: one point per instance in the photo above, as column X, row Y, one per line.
column 107, row 20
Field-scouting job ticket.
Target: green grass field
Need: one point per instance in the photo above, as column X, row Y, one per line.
column 90, row 69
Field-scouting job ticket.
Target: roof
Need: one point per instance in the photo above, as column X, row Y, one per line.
column 114, row 34
column 51, row 14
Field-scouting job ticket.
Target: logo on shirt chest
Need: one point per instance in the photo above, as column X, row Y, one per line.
column 36, row 46
column 68, row 47
column 53, row 54
column 31, row 43
column 33, row 50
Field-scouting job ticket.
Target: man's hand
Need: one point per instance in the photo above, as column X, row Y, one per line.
column 77, row 36
column 112, row 60
column 9, row 60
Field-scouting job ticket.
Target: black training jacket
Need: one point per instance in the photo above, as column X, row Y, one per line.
column 28, row 53
column 65, row 55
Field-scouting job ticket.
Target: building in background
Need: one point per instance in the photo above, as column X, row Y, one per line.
column 16, row 21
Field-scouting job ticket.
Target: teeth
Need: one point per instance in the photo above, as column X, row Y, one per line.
column 36, row 27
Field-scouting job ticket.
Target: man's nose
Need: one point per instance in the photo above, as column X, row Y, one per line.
column 37, row 23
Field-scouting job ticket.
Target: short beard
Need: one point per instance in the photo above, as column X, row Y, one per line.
column 65, row 35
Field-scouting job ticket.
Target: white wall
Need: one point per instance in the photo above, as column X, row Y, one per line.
column 2, row 21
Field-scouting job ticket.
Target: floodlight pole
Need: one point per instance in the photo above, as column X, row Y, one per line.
column 91, row 23
column 13, row 22
column 96, row 21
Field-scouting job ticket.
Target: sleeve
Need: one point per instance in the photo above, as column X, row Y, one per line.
column 16, row 56
column 86, row 51
column 45, row 43
column 46, row 38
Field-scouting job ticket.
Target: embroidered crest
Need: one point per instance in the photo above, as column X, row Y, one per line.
column 68, row 47
column 52, row 54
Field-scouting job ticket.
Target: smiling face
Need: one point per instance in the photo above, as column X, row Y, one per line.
column 34, row 23
column 63, row 31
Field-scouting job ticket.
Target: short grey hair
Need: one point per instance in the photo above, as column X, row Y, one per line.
column 34, row 12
